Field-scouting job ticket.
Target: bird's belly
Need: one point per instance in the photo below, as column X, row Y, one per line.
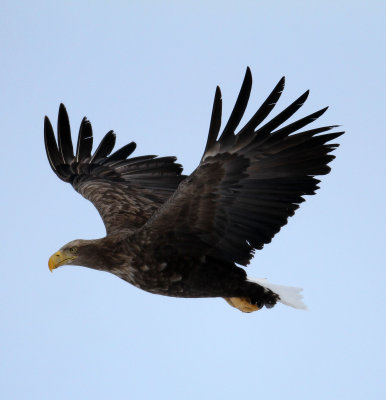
column 180, row 281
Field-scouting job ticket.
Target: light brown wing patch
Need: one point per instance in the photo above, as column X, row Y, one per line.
column 242, row 303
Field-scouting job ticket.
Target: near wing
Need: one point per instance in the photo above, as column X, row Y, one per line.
column 126, row 192
column 248, row 183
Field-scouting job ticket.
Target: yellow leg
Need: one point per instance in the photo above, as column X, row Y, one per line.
column 241, row 303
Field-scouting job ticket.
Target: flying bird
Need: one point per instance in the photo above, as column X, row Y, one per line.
column 190, row 236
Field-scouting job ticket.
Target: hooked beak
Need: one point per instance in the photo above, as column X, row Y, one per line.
column 58, row 259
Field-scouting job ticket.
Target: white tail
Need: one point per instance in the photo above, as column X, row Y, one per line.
column 289, row 295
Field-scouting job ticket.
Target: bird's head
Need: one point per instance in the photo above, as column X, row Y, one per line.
column 72, row 253
column 95, row 254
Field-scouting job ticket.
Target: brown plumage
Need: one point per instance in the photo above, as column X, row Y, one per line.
column 183, row 236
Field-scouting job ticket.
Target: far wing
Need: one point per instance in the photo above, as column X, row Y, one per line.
column 248, row 183
column 126, row 192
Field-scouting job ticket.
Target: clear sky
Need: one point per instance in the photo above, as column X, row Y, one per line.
column 148, row 70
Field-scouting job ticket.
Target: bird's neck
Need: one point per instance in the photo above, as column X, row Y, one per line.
column 105, row 253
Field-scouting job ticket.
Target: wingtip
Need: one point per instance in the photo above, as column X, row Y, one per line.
column 112, row 133
column 63, row 111
column 302, row 99
column 248, row 76
column 86, row 122
column 64, row 135
column 48, row 126
column 323, row 110
column 105, row 146
column 63, row 114
column 340, row 134
column 281, row 84
column 218, row 94
column 319, row 113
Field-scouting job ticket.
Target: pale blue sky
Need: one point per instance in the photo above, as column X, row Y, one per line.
column 148, row 70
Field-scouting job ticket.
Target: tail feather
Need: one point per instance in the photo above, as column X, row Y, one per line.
column 288, row 295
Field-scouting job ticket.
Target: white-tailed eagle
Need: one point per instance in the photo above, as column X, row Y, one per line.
column 190, row 236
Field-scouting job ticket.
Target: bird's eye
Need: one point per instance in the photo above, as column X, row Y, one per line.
column 73, row 250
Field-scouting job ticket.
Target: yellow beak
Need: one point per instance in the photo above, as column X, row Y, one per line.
column 58, row 259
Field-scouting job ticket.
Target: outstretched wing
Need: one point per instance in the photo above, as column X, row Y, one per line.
column 126, row 192
column 248, row 183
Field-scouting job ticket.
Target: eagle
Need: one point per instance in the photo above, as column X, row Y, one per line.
column 191, row 235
